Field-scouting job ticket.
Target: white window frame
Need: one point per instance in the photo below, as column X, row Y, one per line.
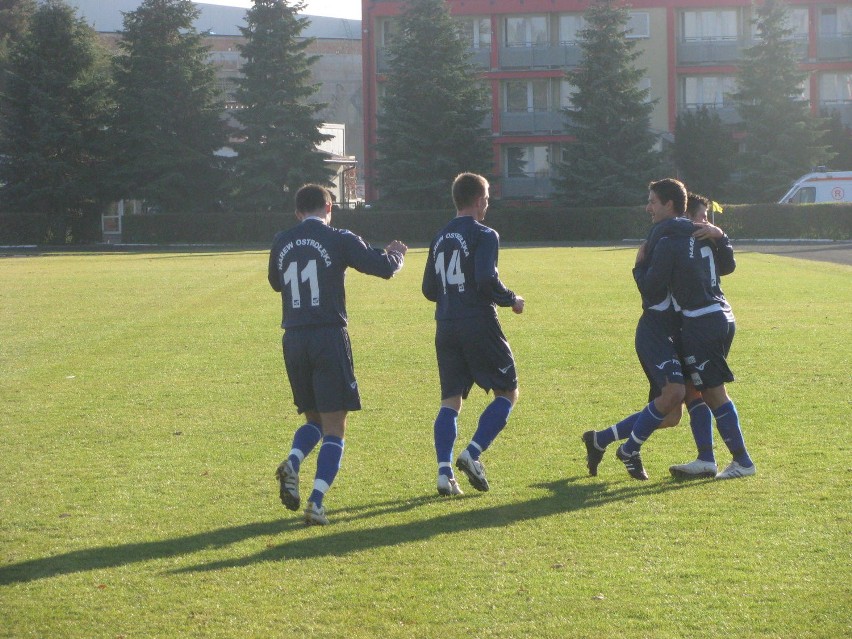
column 641, row 19
column 709, row 25
column 543, row 171
column 719, row 91
column 531, row 84
column 840, row 83
column 580, row 24
column 528, row 30
column 476, row 23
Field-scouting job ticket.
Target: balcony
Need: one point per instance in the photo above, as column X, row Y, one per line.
column 480, row 58
column 532, row 122
column 559, row 56
column 834, row 47
column 697, row 52
column 710, row 51
column 526, row 186
column 842, row 108
column 727, row 113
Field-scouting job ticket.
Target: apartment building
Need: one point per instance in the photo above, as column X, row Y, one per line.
column 689, row 50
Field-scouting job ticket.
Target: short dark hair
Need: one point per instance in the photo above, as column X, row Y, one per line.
column 467, row 189
column 311, row 198
column 693, row 201
column 670, row 190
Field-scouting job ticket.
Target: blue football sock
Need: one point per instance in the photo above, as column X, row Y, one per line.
column 647, row 422
column 701, row 423
column 306, row 437
column 728, row 423
column 328, row 463
column 491, row 422
column 446, row 430
column 621, row 430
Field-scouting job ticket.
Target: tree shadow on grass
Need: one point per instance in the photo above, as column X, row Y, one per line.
column 565, row 495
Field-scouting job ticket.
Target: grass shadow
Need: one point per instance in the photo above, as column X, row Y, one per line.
column 565, row 495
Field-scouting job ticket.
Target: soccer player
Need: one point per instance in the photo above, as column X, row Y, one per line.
column 700, row 415
column 689, row 268
column 461, row 278
column 307, row 265
column 654, row 341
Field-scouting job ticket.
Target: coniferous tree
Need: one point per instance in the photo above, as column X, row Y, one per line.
column 14, row 22
column 54, row 114
column 612, row 158
column 279, row 122
column 782, row 139
column 430, row 120
column 704, row 152
column 168, row 123
column 840, row 138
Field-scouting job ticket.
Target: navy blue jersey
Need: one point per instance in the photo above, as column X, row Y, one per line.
column 461, row 271
column 686, row 268
column 660, row 300
column 307, row 265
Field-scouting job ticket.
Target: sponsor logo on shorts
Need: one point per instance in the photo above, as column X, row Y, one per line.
column 666, row 363
column 354, row 385
column 505, row 370
column 702, row 364
column 690, row 360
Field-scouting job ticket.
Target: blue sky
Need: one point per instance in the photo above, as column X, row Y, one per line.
column 336, row 8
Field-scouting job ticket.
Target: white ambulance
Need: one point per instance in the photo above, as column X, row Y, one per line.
column 822, row 186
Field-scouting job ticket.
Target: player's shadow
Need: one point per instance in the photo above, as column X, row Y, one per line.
column 565, row 495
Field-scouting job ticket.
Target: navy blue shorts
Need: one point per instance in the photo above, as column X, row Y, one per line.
column 473, row 350
column 320, row 368
column 706, row 342
column 656, row 350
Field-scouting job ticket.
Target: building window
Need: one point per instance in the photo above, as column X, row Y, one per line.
column 835, row 88
column 707, row 90
column 797, row 20
column 527, row 31
column 476, row 32
column 835, row 21
column 645, row 85
column 526, row 96
column 709, row 25
column 570, row 25
column 528, row 160
column 566, row 94
column 639, row 25
column 390, row 29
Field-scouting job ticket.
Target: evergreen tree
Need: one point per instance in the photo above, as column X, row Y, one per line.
column 704, row 152
column 430, row 122
column 840, row 137
column 279, row 122
column 612, row 159
column 168, row 124
column 54, row 114
column 782, row 139
column 14, row 22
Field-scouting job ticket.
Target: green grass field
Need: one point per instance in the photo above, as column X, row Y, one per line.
column 145, row 408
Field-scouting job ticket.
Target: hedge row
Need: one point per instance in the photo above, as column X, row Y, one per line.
column 774, row 221
column 541, row 224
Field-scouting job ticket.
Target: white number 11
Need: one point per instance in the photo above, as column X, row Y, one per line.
column 309, row 274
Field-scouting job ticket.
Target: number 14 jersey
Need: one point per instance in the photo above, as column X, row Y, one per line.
column 461, row 271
